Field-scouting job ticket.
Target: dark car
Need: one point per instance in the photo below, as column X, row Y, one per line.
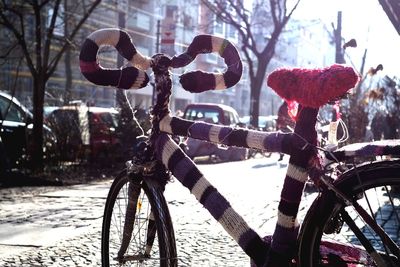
column 85, row 132
column 16, row 123
column 218, row 114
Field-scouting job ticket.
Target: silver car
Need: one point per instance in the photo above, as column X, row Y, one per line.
column 218, row 114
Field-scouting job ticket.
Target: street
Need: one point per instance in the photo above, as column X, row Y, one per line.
column 61, row 226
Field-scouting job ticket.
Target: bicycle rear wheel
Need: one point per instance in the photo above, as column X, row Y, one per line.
column 137, row 228
column 330, row 234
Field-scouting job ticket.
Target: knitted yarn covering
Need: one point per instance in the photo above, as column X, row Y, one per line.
column 200, row 81
column 313, row 87
column 132, row 76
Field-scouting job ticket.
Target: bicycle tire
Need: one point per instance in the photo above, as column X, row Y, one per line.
column 149, row 198
column 325, row 218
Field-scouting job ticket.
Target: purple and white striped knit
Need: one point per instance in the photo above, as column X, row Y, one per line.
column 287, row 227
column 190, row 176
column 129, row 77
column 230, row 136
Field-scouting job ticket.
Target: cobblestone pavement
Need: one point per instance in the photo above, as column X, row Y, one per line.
column 52, row 226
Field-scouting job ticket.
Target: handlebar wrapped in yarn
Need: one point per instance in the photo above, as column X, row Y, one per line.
column 199, row 81
column 313, row 87
column 132, row 76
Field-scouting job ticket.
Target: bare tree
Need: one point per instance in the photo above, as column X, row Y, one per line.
column 267, row 21
column 33, row 25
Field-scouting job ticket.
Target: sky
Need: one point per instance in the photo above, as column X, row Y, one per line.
column 365, row 21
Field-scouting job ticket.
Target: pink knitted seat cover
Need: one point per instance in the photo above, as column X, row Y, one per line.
column 313, row 87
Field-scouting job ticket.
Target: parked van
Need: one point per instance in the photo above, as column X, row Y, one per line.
column 218, row 114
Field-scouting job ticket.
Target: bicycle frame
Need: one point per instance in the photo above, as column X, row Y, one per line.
column 301, row 145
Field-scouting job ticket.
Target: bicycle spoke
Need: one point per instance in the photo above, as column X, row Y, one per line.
column 138, row 251
column 380, row 203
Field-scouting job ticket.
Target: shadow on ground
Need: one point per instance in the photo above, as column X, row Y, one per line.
column 60, row 176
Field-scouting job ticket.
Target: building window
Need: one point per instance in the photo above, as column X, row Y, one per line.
column 218, row 26
column 59, row 24
column 139, row 20
column 231, row 32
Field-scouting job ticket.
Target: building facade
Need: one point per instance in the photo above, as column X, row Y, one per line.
column 168, row 26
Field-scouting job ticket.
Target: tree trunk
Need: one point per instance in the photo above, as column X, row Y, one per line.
column 37, row 134
column 254, row 103
column 67, row 61
column 256, row 84
column 68, row 76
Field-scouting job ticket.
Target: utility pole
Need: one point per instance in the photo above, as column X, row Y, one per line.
column 158, row 33
column 339, row 57
column 122, row 6
column 158, row 36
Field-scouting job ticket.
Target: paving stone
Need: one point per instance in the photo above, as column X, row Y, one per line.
column 201, row 241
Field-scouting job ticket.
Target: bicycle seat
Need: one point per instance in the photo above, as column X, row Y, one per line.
column 313, row 87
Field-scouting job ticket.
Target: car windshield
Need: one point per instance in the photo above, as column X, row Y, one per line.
column 203, row 114
column 263, row 121
column 231, row 118
column 109, row 119
column 10, row 111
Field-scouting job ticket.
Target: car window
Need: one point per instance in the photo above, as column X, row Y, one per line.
column 227, row 117
column 14, row 113
column 106, row 118
column 270, row 124
column 234, row 118
column 202, row 114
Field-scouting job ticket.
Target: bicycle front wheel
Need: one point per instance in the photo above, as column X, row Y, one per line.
column 334, row 234
column 137, row 228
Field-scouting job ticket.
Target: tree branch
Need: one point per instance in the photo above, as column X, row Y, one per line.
column 19, row 36
column 38, row 37
column 9, row 50
column 50, row 32
column 56, row 59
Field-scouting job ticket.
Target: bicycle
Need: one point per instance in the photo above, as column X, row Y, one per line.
column 137, row 227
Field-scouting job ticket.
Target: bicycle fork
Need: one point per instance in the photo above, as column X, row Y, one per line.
column 133, row 197
column 134, row 202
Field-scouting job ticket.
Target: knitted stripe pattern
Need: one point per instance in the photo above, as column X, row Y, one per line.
column 132, row 76
column 313, row 87
column 190, row 176
column 371, row 149
column 269, row 141
column 287, row 227
column 199, row 81
column 163, row 84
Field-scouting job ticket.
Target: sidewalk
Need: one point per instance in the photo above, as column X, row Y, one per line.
column 39, row 218
column 61, row 226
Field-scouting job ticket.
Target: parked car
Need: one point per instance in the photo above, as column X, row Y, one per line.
column 218, row 114
column 16, row 123
column 85, row 132
column 265, row 123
